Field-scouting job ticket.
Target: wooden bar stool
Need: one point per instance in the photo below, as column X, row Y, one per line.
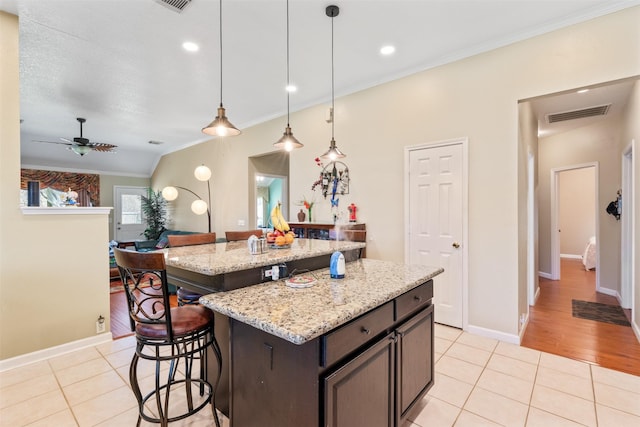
column 233, row 236
column 185, row 296
column 170, row 337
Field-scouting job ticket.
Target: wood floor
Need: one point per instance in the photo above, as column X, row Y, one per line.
column 553, row 329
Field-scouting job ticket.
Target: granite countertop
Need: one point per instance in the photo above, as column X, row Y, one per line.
column 220, row 258
column 300, row 315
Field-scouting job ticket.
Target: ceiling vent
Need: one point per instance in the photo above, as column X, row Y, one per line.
column 599, row 110
column 175, row 5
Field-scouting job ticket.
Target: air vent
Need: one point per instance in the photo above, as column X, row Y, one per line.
column 152, row 142
column 175, row 5
column 599, row 110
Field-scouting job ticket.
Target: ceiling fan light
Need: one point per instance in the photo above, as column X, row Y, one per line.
column 288, row 142
column 80, row 149
column 221, row 126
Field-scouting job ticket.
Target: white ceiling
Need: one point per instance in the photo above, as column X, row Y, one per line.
column 120, row 64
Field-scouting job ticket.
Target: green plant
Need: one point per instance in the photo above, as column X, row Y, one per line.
column 154, row 209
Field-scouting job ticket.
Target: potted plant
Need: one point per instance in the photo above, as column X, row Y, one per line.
column 154, row 209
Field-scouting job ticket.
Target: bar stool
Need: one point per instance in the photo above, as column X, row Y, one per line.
column 168, row 336
column 185, row 296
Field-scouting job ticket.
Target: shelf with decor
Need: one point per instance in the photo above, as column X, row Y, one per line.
column 353, row 231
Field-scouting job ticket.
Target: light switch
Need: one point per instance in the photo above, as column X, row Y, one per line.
column 241, row 222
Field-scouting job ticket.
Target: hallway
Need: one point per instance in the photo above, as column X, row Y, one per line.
column 553, row 329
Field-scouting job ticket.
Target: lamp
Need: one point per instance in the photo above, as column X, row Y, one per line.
column 198, row 207
column 80, row 149
column 288, row 142
column 221, row 126
column 333, row 152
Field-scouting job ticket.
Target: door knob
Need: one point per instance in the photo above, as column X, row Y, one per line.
column 456, row 245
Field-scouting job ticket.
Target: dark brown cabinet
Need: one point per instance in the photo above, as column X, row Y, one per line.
column 371, row 374
column 392, row 375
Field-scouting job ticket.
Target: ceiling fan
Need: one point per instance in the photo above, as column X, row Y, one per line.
column 81, row 145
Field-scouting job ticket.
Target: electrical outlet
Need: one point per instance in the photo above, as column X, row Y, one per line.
column 100, row 325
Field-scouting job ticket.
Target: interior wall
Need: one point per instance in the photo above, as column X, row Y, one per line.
column 631, row 135
column 594, row 143
column 54, row 270
column 107, row 182
column 577, row 219
column 476, row 98
column 527, row 147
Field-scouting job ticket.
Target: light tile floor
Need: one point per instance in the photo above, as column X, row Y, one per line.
column 479, row 382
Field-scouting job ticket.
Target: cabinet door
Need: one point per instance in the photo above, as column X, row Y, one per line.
column 415, row 360
column 361, row 393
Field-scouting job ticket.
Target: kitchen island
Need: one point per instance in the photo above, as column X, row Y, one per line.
column 349, row 352
column 224, row 266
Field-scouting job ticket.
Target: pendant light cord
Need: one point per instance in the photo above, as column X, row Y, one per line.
column 288, row 85
column 333, row 97
column 220, row 53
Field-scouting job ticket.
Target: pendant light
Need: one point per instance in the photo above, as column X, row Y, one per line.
column 288, row 142
column 333, row 153
column 221, row 126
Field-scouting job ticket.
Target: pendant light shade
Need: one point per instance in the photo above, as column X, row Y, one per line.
column 288, row 142
column 333, row 153
column 221, row 126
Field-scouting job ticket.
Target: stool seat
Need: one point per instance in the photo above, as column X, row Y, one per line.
column 186, row 296
column 185, row 320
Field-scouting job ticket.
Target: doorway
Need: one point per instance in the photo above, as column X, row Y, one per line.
column 274, row 168
column 436, row 226
column 270, row 190
column 129, row 222
column 574, row 220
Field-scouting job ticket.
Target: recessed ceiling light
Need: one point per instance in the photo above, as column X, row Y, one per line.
column 291, row 88
column 583, row 91
column 190, row 47
column 387, row 50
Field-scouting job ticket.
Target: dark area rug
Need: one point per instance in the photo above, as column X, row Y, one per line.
column 599, row 312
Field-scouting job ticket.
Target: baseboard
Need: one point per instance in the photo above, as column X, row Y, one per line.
column 571, row 256
column 636, row 330
column 524, row 327
column 544, row 275
column 491, row 333
column 59, row 350
column 611, row 292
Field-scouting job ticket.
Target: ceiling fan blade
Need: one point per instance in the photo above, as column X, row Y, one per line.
column 54, row 142
column 98, row 146
column 66, row 140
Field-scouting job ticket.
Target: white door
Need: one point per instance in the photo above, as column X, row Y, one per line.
column 435, row 223
column 129, row 221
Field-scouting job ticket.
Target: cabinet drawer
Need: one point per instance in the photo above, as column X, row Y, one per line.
column 356, row 333
column 413, row 300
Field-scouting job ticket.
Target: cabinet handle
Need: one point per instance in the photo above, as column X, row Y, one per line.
column 365, row 330
column 417, row 298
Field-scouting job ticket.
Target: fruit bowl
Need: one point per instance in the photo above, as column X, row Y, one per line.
column 274, row 246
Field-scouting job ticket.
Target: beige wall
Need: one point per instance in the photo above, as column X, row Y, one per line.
column 577, row 210
column 595, row 143
column 107, row 182
column 53, row 268
column 527, row 148
column 475, row 98
column 631, row 135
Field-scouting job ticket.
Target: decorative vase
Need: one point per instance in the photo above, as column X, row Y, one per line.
column 301, row 216
column 309, row 214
